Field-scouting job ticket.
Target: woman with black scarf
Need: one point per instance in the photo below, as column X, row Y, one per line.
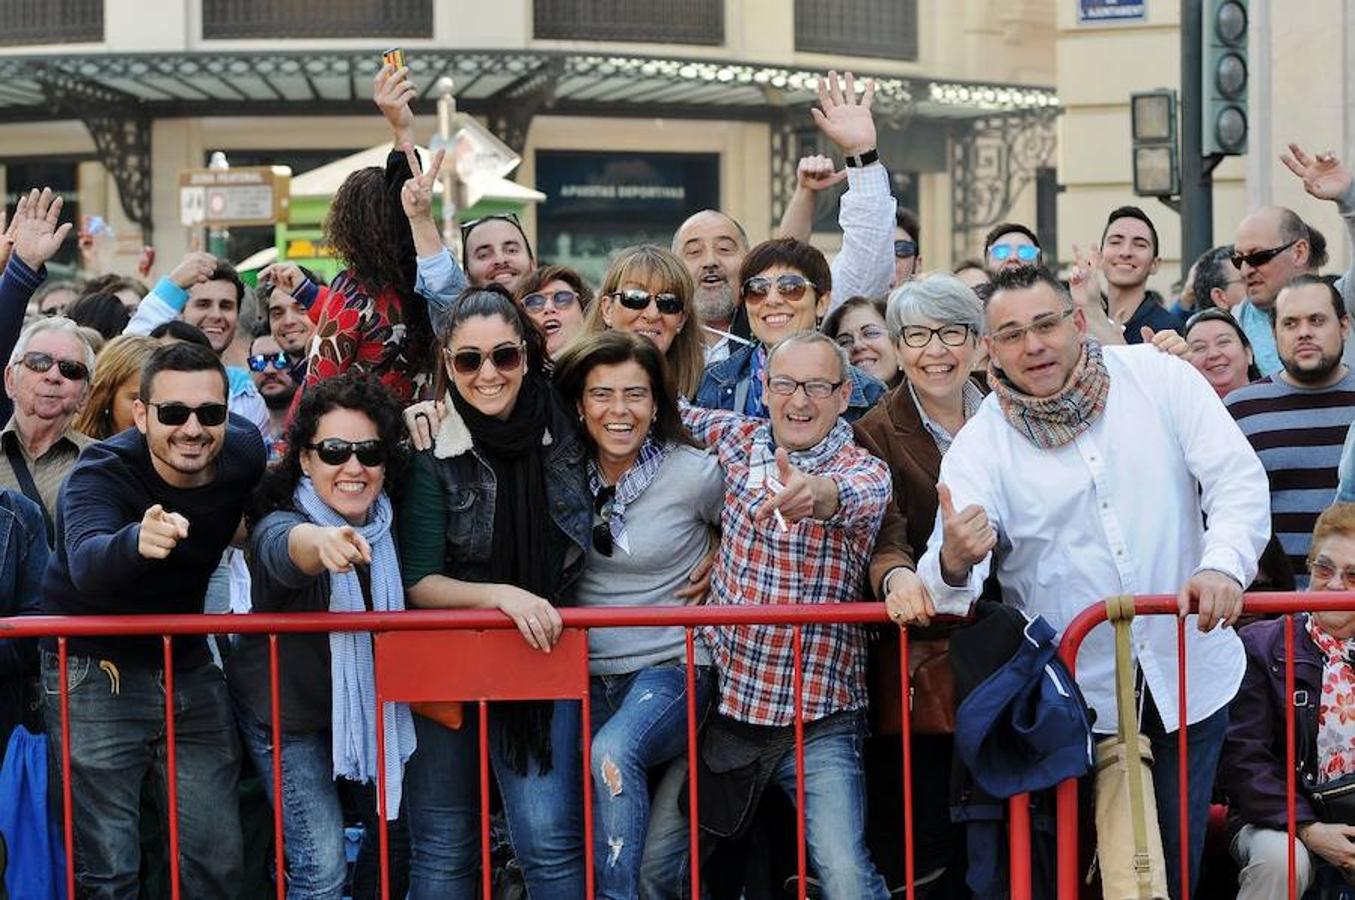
column 473, row 536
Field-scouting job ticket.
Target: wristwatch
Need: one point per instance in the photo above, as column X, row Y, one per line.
column 865, row 159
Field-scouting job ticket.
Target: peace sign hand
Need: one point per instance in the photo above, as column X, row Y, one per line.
column 416, row 197
column 1324, row 176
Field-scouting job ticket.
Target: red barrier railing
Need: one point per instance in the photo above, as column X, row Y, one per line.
column 1263, row 604
column 394, row 635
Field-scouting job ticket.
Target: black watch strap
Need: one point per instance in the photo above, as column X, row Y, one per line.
column 865, row 159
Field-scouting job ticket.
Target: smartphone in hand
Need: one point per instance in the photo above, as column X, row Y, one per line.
column 394, row 57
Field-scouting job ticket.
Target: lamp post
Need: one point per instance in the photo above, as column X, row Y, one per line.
column 451, row 235
column 218, row 239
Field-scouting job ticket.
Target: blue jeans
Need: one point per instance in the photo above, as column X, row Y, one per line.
column 117, row 738
column 544, row 811
column 835, row 818
column 639, row 722
column 313, row 837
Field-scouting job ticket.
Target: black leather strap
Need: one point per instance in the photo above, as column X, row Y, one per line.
column 865, row 159
column 30, row 488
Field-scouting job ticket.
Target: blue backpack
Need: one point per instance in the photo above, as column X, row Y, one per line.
column 37, row 858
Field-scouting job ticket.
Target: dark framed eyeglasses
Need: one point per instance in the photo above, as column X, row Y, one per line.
column 510, row 217
column 535, row 302
column 337, row 451
column 603, row 504
column 790, row 286
column 815, row 388
column 1025, row 253
column 1258, row 258
column 669, row 304
column 260, row 361
column 505, row 358
column 70, row 369
column 905, row 249
column 209, row 415
column 916, row 336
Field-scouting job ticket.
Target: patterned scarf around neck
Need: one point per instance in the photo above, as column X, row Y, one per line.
column 1336, row 709
column 1050, row 422
column 762, row 459
column 351, row 666
column 630, row 486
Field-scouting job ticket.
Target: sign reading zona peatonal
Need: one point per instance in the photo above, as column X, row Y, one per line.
column 252, row 195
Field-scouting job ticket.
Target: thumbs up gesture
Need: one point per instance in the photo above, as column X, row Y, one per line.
column 160, row 532
column 797, row 495
column 966, row 536
column 339, row 548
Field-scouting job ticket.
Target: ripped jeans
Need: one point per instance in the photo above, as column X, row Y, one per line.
column 639, row 722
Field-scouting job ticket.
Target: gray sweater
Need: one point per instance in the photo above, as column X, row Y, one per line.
column 667, row 528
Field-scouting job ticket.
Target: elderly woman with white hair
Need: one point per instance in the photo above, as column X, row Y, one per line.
column 934, row 325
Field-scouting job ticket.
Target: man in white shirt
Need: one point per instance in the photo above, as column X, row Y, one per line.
column 1088, row 472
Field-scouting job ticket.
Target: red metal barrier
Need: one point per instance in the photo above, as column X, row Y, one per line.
column 406, row 643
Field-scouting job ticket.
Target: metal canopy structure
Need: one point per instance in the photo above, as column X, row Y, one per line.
column 118, row 95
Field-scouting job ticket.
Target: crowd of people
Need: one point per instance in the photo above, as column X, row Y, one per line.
column 717, row 423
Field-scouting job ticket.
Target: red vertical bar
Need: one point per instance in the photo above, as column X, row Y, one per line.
column 173, row 774
column 1067, row 838
column 587, row 729
column 67, row 812
column 694, row 847
column 1291, row 826
column 486, row 869
column 800, row 862
column 382, row 829
column 275, row 700
column 906, row 735
column 1183, row 770
column 1019, row 846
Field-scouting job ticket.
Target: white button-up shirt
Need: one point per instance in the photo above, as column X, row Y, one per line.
column 1119, row 510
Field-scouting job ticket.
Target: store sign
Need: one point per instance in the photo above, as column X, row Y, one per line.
column 666, row 186
column 1091, row 11
column 253, row 195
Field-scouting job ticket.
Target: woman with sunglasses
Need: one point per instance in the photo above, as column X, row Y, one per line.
column 1220, row 350
column 115, row 386
column 556, row 299
column 498, row 516
column 656, row 495
column 785, row 288
column 648, row 291
column 858, row 325
column 321, row 540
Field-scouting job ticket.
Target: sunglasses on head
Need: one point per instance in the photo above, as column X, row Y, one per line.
column 259, row 361
column 669, row 304
column 1025, row 252
column 70, row 370
column 209, row 414
column 510, row 217
column 790, row 286
column 535, row 302
column 1258, row 258
column 602, row 508
column 468, row 361
column 903, row 249
column 337, row 451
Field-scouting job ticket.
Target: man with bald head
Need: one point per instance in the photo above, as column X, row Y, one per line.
column 712, row 246
column 1274, row 246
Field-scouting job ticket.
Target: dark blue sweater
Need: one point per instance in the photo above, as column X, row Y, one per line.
column 97, row 570
column 17, row 284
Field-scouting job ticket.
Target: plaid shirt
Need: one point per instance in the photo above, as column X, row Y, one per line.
column 816, row 561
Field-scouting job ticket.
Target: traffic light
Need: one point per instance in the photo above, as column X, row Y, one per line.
column 1224, row 77
column 1157, row 171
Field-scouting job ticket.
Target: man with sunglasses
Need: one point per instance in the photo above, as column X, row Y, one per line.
column 146, row 516
column 1010, row 245
column 48, row 381
column 271, row 370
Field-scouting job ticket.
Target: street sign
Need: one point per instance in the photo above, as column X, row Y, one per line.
column 1089, row 11
column 219, row 198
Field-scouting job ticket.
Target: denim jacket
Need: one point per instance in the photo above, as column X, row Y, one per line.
column 725, row 386
column 23, row 559
column 468, row 483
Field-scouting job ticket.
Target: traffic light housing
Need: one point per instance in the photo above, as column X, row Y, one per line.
column 1157, row 169
column 1224, row 77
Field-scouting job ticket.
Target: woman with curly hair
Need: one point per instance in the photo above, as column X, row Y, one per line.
column 321, row 540
column 114, row 387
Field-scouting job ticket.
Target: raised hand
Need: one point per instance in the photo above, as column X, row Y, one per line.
column 393, row 91
column 340, row 548
column 160, row 532
column 814, row 173
column 195, row 268
column 1324, row 176
column 967, row 536
column 37, row 236
column 416, row 197
column 846, row 120
column 287, row 276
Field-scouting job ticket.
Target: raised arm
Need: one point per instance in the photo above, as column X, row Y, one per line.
column 813, row 174
column 1325, row 177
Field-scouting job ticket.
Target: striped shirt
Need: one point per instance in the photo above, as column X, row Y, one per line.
column 1298, row 433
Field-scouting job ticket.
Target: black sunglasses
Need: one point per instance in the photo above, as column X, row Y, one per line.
column 1258, row 258
column 904, row 249
column 259, row 361
column 602, row 532
column 209, row 414
column 70, row 370
column 537, row 301
column 669, row 304
column 790, row 286
column 336, row 451
column 468, row 362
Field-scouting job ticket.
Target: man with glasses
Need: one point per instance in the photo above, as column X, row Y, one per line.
column 1297, row 419
column 271, row 370
column 146, row 516
column 1080, row 478
column 803, row 505
column 1010, row 245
